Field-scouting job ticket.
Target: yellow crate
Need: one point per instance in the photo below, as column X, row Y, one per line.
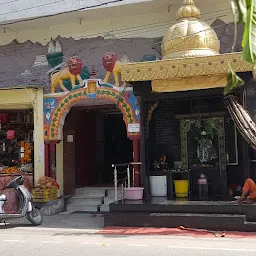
column 44, row 195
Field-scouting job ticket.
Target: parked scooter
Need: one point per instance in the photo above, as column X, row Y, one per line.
column 26, row 207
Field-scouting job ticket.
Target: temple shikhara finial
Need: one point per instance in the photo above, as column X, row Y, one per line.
column 190, row 36
column 188, row 11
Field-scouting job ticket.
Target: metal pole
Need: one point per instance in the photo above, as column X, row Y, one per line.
column 122, row 191
column 144, row 154
column 128, row 176
column 134, row 172
column 136, row 158
column 115, row 181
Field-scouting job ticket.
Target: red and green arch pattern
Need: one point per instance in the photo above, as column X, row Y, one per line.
column 66, row 102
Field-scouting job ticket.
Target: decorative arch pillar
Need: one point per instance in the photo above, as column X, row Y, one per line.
column 136, row 159
column 50, row 158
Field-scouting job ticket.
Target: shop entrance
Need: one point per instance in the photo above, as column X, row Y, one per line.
column 16, row 141
column 16, row 151
column 100, row 140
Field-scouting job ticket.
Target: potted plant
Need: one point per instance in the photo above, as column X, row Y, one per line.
column 161, row 164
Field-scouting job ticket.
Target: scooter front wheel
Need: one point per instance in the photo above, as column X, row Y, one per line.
column 35, row 217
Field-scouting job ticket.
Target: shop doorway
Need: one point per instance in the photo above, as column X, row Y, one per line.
column 101, row 140
column 16, row 143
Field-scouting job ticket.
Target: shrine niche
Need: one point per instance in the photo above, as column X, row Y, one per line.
column 203, row 143
column 203, row 148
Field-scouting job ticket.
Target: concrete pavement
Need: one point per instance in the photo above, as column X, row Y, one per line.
column 74, row 221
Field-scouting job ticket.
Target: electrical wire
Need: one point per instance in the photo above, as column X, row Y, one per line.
column 92, row 48
column 134, row 29
column 25, row 9
column 138, row 30
column 117, row 31
column 52, row 15
column 82, row 30
column 8, row 2
column 95, row 47
column 74, row 53
column 169, row 21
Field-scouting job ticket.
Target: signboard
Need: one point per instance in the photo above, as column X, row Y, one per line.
column 134, row 127
column 70, row 138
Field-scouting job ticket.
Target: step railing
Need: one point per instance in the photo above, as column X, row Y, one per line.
column 126, row 177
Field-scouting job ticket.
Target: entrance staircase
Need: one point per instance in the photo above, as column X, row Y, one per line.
column 92, row 199
column 210, row 215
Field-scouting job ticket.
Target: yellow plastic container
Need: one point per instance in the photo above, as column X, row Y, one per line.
column 44, row 195
column 181, row 188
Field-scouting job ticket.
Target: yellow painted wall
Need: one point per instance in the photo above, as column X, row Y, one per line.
column 30, row 98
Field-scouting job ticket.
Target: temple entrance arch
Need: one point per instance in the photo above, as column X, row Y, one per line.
column 58, row 105
column 56, row 108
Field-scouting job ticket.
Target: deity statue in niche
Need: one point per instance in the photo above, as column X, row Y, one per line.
column 202, row 142
column 91, row 87
column 206, row 152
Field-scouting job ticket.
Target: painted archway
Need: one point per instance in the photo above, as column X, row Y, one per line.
column 57, row 106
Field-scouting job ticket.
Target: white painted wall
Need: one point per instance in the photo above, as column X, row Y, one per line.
column 148, row 19
column 25, row 9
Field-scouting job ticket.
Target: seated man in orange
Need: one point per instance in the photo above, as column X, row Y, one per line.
column 248, row 188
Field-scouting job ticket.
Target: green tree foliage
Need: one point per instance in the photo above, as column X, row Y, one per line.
column 244, row 11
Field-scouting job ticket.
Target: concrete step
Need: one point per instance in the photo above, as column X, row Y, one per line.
column 174, row 220
column 111, row 191
column 104, row 208
column 80, row 200
column 250, row 226
column 92, row 199
column 82, row 208
column 111, row 199
column 88, row 191
column 195, row 207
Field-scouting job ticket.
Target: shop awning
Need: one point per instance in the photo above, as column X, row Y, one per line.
column 242, row 119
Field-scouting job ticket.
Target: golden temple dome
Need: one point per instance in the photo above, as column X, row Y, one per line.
column 190, row 36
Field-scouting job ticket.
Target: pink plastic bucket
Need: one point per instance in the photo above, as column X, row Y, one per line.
column 133, row 193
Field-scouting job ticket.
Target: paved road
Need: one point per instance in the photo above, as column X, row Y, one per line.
column 27, row 240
